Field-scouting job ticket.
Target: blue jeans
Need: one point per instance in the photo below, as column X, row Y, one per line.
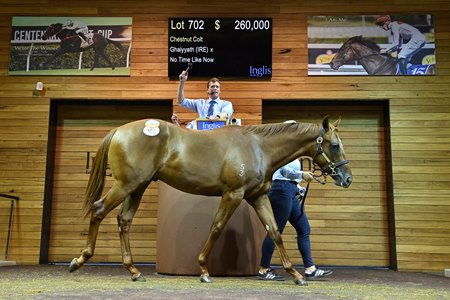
column 285, row 208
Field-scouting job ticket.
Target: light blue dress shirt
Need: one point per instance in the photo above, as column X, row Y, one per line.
column 201, row 106
column 290, row 172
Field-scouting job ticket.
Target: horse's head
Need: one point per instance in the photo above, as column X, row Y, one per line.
column 354, row 48
column 344, row 54
column 51, row 30
column 330, row 156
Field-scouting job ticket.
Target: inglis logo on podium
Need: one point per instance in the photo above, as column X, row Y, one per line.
column 260, row 72
column 209, row 125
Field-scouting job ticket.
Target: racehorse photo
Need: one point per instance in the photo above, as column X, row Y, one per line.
column 71, row 43
column 367, row 53
column 240, row 161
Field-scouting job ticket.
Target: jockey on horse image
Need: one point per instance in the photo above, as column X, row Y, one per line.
column 73, row 41
column 81, row 29
column 367, row 53
column 400, row 33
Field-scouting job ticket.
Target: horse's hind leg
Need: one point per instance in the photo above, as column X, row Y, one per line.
column 228, row 205
column 95, row 60
column 105, row 57
column 124, row 220
column 100, row 209
column 265, row 214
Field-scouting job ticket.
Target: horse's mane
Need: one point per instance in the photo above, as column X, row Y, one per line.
column 267, row 130
column 366, row 42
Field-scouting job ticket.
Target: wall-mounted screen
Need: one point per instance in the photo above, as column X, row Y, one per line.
column 234, row 48
column 371, row 45
column 70, row 46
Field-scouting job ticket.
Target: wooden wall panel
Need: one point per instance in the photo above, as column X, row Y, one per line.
column 23, row 135
column 419, row 109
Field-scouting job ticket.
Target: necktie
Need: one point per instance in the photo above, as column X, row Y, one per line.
column 211, row 108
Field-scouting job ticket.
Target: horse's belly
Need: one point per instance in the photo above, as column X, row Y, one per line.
column 193, row 183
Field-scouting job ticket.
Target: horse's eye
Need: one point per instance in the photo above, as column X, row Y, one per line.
column 335, row 147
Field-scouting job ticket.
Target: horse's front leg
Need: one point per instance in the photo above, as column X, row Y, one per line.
column 228, row 204
column 124, row 220
column 106, row 58
column 96, row 57
column 264, row 211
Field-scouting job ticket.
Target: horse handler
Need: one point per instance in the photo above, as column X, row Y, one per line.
column 286, row 207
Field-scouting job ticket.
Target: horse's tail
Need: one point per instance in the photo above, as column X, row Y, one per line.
column 97, row 175
column 115, row 43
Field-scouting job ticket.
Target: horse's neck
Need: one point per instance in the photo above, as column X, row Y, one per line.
column 287, row 146
column 375, row 63
column 64, row 33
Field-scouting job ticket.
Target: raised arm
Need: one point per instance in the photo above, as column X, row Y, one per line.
column 183, row 77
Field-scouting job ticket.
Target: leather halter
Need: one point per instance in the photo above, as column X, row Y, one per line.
column 329, row 170
column 332, row 166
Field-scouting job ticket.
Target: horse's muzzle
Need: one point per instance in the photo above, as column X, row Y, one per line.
column 343, row 179
column 334, row 65
column 348, row 181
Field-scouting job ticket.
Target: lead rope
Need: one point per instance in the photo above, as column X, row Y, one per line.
column 302, row 200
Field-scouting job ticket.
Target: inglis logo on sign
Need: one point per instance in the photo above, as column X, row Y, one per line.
column 260, row 72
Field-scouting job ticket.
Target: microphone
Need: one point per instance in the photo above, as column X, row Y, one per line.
column 189, row 67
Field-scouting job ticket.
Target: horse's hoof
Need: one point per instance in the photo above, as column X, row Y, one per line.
column 138, row 277
column 74, row 265
column 300, row 282
column 205, row 279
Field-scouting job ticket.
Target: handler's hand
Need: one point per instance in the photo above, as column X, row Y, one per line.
column 183, row 76
column 308, row 176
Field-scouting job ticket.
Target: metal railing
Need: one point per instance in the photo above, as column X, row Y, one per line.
column 11, row 212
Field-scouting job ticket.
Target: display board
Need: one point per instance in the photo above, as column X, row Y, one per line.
column 333, row 40
column 238, row 48
column 45, row 46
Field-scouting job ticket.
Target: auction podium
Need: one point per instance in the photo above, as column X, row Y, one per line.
column 184, row 221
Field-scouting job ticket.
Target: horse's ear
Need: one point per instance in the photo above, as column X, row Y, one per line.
column 326, row 124
column 337, row 122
